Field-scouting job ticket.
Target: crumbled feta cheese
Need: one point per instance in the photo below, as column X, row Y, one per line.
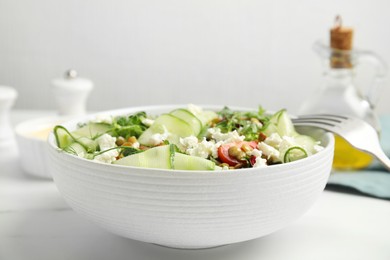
column 189, row 141
column 318, row 148
column 204, row 149
column 286, row 143
column 106, row 142
column 269, row 151
column 102, row 118
column 158, row 138
column 256, row 153
column 147, row 121
column 229, row 137
column 260, row 162
column 194, row 109
column 135, row 145
column 274, row 140
column 107, row 157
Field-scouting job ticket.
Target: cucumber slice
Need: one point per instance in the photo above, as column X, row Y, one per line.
column 205, row 117
column 146, row 137
column 190, row 118
column 175, row 126
column 89, row 144
column 280, row 123
column 270, row 128
column 188, row 162
column 76, row 149
column 307, row 142
column 275, row 117
column 158, row 157
column 165, row 157
column 285, row 125
column 92, row 130
column 63, row 137
column 294, row 153
column 272, row 124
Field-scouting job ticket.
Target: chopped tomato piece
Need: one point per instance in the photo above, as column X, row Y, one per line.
column 223, row 151
column 252, row 160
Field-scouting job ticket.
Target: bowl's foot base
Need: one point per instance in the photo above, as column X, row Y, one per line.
column 192, row 248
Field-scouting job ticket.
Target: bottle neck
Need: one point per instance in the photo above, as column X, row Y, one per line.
column 341, row 78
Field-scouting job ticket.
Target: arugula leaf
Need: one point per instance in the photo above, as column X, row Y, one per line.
column 131, row 125
column 130, row 150
column 245, row 123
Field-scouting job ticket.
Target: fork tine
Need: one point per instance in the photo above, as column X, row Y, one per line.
column 314, row 122
column 318, row 119
column 324, row 116
column 321, row 119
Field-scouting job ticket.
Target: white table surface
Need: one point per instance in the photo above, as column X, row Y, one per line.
column 36, row 223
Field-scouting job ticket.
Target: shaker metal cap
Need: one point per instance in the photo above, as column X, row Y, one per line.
column 70, row 74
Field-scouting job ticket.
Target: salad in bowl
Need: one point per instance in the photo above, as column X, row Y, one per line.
column 186, row 177
column 189, row 138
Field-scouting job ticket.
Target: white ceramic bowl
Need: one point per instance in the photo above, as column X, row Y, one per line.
column 31, row 137
column 190, row 209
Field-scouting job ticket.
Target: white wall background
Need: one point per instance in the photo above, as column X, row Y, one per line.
column 246, row 52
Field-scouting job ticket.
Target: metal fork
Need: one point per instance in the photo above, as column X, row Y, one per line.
column 355, row 131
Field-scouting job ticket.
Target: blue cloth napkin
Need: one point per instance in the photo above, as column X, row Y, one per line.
column 373, row 181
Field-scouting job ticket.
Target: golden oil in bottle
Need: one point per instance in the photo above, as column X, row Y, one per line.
column 347, row 157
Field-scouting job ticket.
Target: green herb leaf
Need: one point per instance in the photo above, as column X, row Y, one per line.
column 130, row 150
column 131, row 125
column 245, row 123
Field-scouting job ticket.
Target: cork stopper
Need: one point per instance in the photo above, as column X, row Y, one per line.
column 341, row 41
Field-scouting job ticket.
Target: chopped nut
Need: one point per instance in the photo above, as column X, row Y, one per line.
column 256, row 122
column 236, row 152
column 119, row 141
column 127, row 144
column 262, row 137
column 132, row 139
column 246, row 148
column 143, row 147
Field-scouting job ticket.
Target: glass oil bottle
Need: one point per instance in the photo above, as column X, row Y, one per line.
column 340, row 95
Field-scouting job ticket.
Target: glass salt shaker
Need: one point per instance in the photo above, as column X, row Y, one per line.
column 71, row 93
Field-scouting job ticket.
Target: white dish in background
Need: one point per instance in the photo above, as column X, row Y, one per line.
column 7, row 99
column 31, row 137
column 190, row 209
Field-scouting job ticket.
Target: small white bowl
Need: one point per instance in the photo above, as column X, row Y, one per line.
column 190, row 209
column 31, row 137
